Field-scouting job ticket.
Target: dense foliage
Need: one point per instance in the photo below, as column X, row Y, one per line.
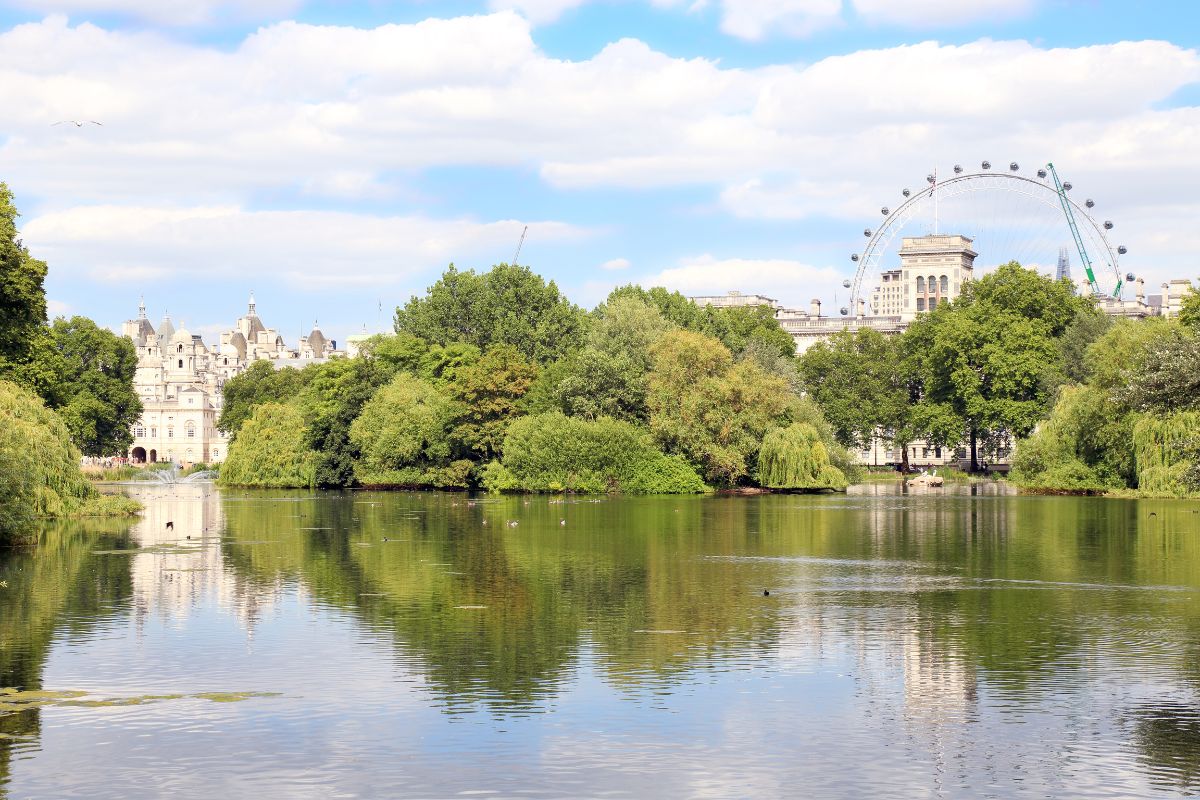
column 1132, row 425
column 94, row 392
column 795, row 458
column 509, row 304
column 555, row 453
column 495, row 381
column 39, row 468
column 271, row 451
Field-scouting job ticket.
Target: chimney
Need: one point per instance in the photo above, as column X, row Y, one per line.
column 862, row 308
column 1141, row 290
column 814, row 308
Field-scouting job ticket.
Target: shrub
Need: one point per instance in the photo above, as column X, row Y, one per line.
column 270, row 451
column 1168, row 453
column 403, row 434
column 555, row 453
column 795, row 458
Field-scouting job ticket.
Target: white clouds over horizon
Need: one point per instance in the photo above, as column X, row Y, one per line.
column 200, row 141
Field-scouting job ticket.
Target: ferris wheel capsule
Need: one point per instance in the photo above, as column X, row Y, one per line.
column 906, row 193
column 854, row 256
column 1108, row 226
column 958, row 169
column 1041, row 173
column 929, row 178
column 1090, row 203
column 1130, row 277
column 1067, row 187
column 1122, row 250
column 884, row 211
column 845, row 311
column 846, row 283
column 986, row 165
column 867, row 232
column 1014, row 166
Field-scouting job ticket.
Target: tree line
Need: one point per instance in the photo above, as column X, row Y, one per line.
column 496, row 381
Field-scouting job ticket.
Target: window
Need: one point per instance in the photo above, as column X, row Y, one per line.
column 945, row 284
column 154, row 433
column 920, row 304
column 191, row 429
column 170, row 433
column 139, row 431
column 920, row 284
column 179, row 349
column 924, row 452
column 181, row 363
column 932, row 303
column 216, row 453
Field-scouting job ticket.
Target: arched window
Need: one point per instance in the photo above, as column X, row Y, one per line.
column 170, row 433
column 216, row 453
column 179, row 349
column 920, row 283
column 191, row 429
column 945, row 284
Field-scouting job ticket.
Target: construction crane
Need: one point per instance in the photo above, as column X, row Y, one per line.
column 520, row 242
column 1083, row 255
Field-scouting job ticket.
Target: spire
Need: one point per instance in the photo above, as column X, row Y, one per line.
column 251, row 312
column 142, row 307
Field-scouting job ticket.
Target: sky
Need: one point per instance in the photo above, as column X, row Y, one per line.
column 333, row 157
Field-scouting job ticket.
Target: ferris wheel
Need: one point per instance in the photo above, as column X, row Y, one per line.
column 1009, row 216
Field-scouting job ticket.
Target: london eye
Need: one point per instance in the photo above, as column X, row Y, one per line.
column 1009, row 216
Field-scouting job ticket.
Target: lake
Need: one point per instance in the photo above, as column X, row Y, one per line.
column 954, row 643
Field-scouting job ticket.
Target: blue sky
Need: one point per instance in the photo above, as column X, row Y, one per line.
column 334, row 156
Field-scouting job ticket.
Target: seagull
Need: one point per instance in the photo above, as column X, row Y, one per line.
column 77, row 123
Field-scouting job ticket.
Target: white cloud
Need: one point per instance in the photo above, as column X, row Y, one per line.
column 167, row 12
column 939, row 13
column 56, row 308
column 313, row 250
column 537, row 11
column 756, row 19
column 322, row 112
column 616, row 263
column 782, row 279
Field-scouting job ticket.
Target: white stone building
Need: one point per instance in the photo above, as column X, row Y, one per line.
column 180, row 381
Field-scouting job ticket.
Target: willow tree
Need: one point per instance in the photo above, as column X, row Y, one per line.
column 1168, row 453
column 795, row 458
column 39, row 468
column 271, row 451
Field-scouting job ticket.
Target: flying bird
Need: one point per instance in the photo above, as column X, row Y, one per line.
column 78, row 123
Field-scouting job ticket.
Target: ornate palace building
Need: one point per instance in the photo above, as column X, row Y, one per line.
column 180, row 381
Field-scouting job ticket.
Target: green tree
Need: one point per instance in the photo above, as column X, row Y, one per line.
column 271, row 451
column 334, row 394
column 1165, row 376
column 986, row 358
column 737, row 328
column 26, row 354
column 39, row 468
column 260, row 383
column 710, row 409
column 1089, row 324
column 489, row 393
column 860, row 382
column 795, row 458
column 556, row 453
column 403, row 434
column 506, row 305
column 94, row 392
column 1189, row 312
column 608, row 376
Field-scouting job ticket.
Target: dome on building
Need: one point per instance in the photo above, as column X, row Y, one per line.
column 316, row 341
column 181, row 336
column 238, row 343
column 165, row 329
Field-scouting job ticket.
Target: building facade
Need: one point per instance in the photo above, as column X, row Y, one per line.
column 180, row 381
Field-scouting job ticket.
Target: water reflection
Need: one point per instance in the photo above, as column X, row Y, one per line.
column 943, row 642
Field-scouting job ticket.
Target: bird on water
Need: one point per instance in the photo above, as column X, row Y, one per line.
column 766, row 592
